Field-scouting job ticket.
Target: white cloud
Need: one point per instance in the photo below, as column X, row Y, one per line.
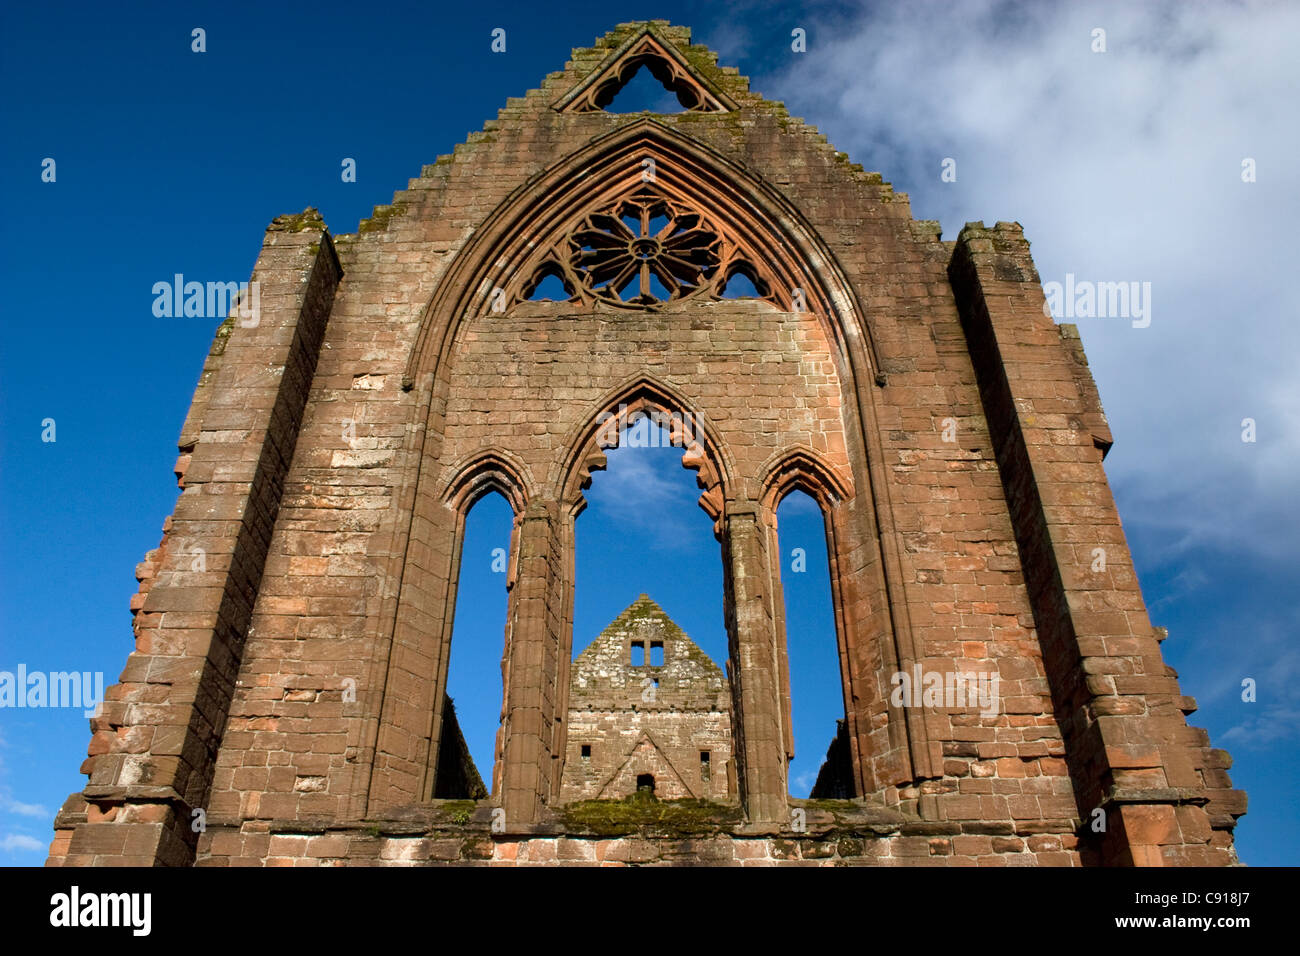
column 25, row 809
column 8, row 804
column 20, row 841
column 1271, row 726
column 1122, row 166
column 647, row 489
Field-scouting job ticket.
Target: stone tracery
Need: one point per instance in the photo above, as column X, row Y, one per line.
column 643, row 250
column 598, row 91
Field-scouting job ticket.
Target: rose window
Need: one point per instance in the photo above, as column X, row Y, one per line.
column 640, row 252
column 644, row 250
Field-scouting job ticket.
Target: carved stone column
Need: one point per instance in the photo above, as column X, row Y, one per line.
column 533, row 666
column 755, row 677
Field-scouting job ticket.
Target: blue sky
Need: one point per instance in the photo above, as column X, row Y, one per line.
column 1123, row 165
column 644, row 532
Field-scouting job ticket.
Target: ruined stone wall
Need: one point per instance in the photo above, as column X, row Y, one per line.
column 618, row 754
column 880, row 842
column 631, row 719
column 293, row 688
column 457, row 777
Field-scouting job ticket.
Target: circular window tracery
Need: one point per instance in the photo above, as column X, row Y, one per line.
column 640, row 252
column 644, row 250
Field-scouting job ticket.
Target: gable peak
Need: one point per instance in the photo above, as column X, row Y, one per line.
column 657, row 47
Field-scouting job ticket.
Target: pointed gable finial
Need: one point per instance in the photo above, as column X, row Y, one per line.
column 646, row 47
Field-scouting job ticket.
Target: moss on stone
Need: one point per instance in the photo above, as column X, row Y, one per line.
column 378, row 220
column 830, row 806
column 458, row 811
column 219, row 341
column 645, row 814
column 309, row 218
column 701, row 58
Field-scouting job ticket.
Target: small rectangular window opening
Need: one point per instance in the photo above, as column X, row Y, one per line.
column 656, row 653
column 704, row 764
column 586, row 751
column 638, row 653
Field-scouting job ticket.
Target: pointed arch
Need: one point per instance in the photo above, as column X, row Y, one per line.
column 492, row 470
column 703, row 450
column 801, row 467
column 406, row 762
column 806, row 273
column 803, row 271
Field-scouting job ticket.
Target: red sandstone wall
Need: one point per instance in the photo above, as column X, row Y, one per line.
column 348, row 598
